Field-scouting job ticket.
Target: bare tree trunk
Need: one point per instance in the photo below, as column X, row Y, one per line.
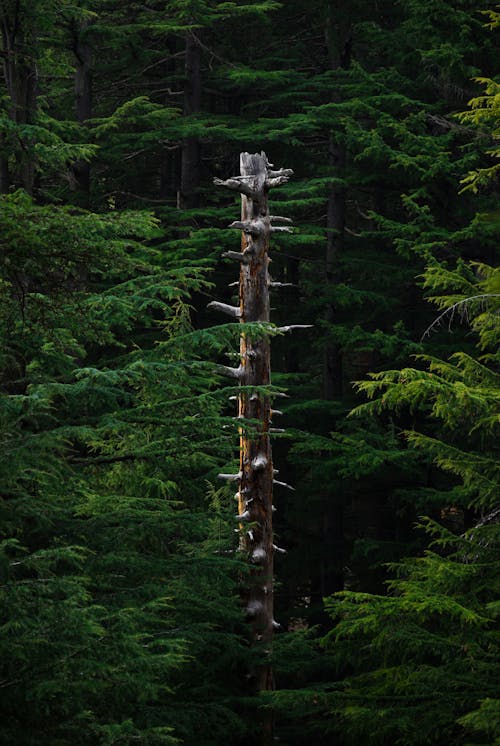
column 83, row 101
column 256, row 475
column 256, row 466
column 190, row 154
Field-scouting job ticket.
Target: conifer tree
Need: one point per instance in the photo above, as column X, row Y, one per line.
column 116, row 591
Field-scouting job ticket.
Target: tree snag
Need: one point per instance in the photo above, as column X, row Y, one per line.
column 256, row 475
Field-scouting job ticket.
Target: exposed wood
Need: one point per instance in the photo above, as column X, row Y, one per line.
column 291, row 327
column 230, row 477
column 256, row 486
column 237, row 185
column 255, row 493
column 284, row 484
column 233, row 311
column 243, row 256
column 237, row 373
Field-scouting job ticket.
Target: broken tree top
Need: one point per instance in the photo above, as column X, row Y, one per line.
column 260, row 177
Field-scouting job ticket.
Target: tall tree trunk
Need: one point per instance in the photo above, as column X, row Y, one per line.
column 332, row 379
column 329, row 577
column 170, row 157
column 83, row 101
column 338, row 39
column 21, row 80
column 190, row 154
column 256, row 474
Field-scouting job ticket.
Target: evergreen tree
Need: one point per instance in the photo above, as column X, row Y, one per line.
column 117, row 594
column 427, row 653
column 119, row 598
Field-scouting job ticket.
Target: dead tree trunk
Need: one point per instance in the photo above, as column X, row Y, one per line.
column 256, row 475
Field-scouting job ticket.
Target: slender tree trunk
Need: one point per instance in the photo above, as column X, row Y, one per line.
column 21, row 80
column 170, row 158
column 332, row 379
column 190, row 154
column 329, row 577
column 83, row 102
column 338, row 39
column 256, row 475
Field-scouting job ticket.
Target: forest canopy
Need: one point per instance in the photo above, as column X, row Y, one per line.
column 130, row 575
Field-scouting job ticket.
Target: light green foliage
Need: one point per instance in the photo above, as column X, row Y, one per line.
column 427, row 651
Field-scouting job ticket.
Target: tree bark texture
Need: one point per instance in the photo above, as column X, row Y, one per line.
column 256, row 466
column 256, row 474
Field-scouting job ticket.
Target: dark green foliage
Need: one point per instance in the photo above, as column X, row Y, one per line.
column 120, row 618
column 116, row 592
column 428, row 651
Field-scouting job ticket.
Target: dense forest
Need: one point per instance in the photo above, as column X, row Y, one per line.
column 123, row 568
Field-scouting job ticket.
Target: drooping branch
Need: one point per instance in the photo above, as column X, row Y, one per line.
column 461, row 307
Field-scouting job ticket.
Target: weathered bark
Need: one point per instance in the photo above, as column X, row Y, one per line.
column 83, row 101
column 256, row 465
column 190, row 154
column 256, row 475
column 21, row 80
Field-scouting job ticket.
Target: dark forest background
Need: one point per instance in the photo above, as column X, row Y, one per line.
column 119, row 610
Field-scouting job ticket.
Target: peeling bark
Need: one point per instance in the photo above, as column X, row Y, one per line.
column 256, row 486
column 256, row 475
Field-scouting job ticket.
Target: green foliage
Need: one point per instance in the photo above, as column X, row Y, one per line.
column 115, row 594
column 427, row 651
column 120, row 618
